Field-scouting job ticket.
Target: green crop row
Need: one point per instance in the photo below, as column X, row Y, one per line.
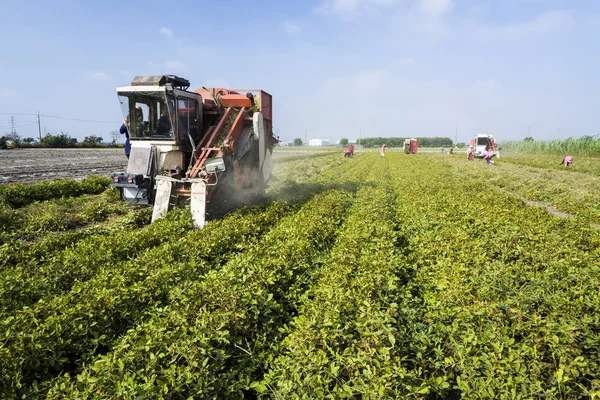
column 20, row 194
column 582, row 164
column 345, row 340
column 14, row 251
column 214, row 327
column 75, row 327
column 32, row 280
column 63, row 214
column 574, row 193
column 507, row 294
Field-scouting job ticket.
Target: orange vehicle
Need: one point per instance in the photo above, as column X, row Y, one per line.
column 209, row 147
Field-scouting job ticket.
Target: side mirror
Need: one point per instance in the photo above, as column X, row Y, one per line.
column 214, row 165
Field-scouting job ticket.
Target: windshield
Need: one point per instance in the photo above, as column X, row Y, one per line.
column 482, row 141
column 148, row 115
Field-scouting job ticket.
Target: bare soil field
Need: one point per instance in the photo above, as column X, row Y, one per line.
column 34, row 165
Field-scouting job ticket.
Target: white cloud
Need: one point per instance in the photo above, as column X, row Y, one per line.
column 435, row 7
column 546, row 22
column 362, row 84
column 404, row 61
column 290, row 27
column 166, row 32
column 174, row 64
column 98, row 75
column 217, row 83
column 346, row 7
column 486, row 86
column 7, row 92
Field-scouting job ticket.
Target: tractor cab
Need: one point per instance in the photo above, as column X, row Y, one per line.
column 164, row 122
column 159, row 110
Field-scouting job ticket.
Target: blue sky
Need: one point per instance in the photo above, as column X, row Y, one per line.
column 336, row 68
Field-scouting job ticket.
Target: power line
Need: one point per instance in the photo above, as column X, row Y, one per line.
column 65, row 118
column 23, row 126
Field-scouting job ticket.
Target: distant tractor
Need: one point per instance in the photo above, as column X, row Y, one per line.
column 483, row 143
column 411, row 146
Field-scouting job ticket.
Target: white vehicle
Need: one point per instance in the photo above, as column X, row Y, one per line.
column 483, row 143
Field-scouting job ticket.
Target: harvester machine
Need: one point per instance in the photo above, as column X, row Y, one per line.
column 211, row 147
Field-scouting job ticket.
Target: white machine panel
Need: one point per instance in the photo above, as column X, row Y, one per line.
column 267, row 166
column 258, row 125
column 198, row 205
column 135, row 195
column 139, row 160
column 162, row 199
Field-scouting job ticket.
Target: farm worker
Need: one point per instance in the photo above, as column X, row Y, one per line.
column 451, row 152
column 163, row 127
column 351, row 150
column 567, row 161
column 470, row 153
column 125, row 129
column 487, row 156
column 383, row 150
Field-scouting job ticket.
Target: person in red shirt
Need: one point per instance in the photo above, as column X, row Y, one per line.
column 383, row 148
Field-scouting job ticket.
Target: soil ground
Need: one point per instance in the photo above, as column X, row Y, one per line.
column 33, row 165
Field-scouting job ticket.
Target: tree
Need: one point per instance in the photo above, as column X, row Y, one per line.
column 528, row 139
column 14, row 136
column 344, row 142
column 399, row 141
column 297, row 142
column 54, row 141
column 3, row 144
column 114, row 135
column 28, row 140
column 92, row 141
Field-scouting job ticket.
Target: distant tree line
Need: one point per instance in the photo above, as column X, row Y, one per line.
column 61, row 140
column 399, row 141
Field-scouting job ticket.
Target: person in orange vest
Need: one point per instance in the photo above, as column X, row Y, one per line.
column 383, row 148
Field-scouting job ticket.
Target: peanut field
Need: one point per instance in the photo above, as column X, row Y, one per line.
column 420, row 276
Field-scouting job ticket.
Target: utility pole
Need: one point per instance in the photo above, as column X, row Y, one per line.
column 305, row 136
column 39, row 127
column 529, row 134
column 456, row 135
